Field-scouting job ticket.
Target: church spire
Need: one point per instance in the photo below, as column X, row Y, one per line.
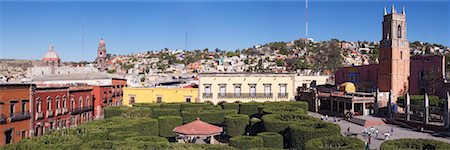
column 403, row 11
column 393, row 9
column 385, row 13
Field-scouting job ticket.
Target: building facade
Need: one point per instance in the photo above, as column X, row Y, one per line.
column 159, row 95
column 246, row 87
column 81, row 105
column 51, row 107
column 15, row 111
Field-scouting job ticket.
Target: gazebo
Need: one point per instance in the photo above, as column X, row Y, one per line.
column 197, row 132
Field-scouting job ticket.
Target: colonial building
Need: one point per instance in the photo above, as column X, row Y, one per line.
column 246, row 87
column 15, row 112
column 159, row 95
column 51, row 58
column 51, row 107
column 101, row 56
column 396, row 71
column 81, row 105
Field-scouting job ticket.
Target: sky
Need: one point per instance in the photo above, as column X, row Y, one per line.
column 28, row 27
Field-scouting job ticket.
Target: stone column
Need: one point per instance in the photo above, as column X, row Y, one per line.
column 407, row 104
column 375, row 103
column 389, row 104
column 364, row 108
column 331, row 105
column 426, row 105
column 337, row 107
column 316, row 100
column 447, row 111
column 353, row 108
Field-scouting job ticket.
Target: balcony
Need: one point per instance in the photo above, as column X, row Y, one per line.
column 49, row 114
column 81, row 110
column 282, row 95
column 245, row 95
column 58, row 112
column 207, row 95
column 18, row 116
column 2, row 119
column 39, row 115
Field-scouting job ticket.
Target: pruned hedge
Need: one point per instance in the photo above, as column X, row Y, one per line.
column 167, row 124
column 249, row 109
column 147, row 139
column 246, row 142
column 195, row 105
column 335, row 143
column 114, row 111
column 280, row 122
column 147, row 105
column 272, row 139
column 256, row 126
column 117, row 111
column 171, row 106
column 414, row 144
column 283, row 109
column 158, row 112
column 234, row 106
column 236, row 124
column 179, row 146
column 300, row 133
column 214, row 116
column 418, row 100
column 122, row 135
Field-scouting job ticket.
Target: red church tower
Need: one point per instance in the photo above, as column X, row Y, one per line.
column 394, row 57
column 101, row 56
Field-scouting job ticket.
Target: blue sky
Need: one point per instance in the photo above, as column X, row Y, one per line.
column 29, row 27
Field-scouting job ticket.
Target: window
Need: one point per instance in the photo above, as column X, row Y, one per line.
column 132, row 99
column 223, row 89
column 88, row 101
column 73, row 103
column 401, row 55
column 267, row 89
column 12, row 108
column 208, row 89
column 237, row 89
column 282, row 89
column 80, row 102
column 24, row 107
column 39, row 106
column 399, row 31
column 64, row 102
column 49, row 103
column 24, row 134
column 159, row 99
column 188, row 99
column 252, row 89
column 58, row 102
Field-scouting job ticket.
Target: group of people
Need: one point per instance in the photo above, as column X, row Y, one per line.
column 325, row 118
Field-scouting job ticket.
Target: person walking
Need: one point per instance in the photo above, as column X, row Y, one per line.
column 348, row 130
column 392, row 129
column 376, row 133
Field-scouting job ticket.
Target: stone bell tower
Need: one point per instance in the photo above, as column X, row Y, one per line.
column 101, row 56
column 394, row 57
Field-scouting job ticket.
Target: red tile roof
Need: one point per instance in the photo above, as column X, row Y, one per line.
column 198, row 127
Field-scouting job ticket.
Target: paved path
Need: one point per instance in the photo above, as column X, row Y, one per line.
column 398, row 133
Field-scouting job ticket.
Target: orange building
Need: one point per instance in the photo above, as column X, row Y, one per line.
column 15, row 110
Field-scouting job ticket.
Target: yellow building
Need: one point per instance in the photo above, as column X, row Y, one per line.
column 246, row 87
column 158, row 95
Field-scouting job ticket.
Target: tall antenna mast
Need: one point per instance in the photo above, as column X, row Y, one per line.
column 306, row 18
column 82, row 35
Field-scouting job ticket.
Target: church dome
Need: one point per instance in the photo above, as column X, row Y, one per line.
column 51, row 55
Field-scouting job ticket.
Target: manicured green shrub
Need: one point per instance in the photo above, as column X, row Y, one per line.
column 138, row 112
column 158, row 112
column 418, row 100
column 147, row 105
column 236, row 124
column 147, row 139
column 246, row 142
column 195, row 105
column 272, row 139
column 147, row 126
column 334, row 143
column 283, row 109
column 99, row 145
column 300, row 133
column 266, row 148
column 121, row 135
column 256, row 126
column 234, row 106
column 171, row 106
column 249, row 108
column 214, row 116
column 167, row 124
column 114, row 111
column 414, row 144
column 179, row 146
column 47, row 142
column 280, row 122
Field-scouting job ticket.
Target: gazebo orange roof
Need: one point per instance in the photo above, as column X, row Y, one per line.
column 198, row 127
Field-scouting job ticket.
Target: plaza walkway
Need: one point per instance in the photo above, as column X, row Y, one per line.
column 398, row 133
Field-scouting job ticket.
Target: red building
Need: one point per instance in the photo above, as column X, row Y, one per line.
column 51, row 109
column 15, row 112
column 117, row 91
column 81, row 105
column 102, row 94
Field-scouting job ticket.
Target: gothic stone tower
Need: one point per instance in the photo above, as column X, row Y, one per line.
column 101, row 56
column 394, row 55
